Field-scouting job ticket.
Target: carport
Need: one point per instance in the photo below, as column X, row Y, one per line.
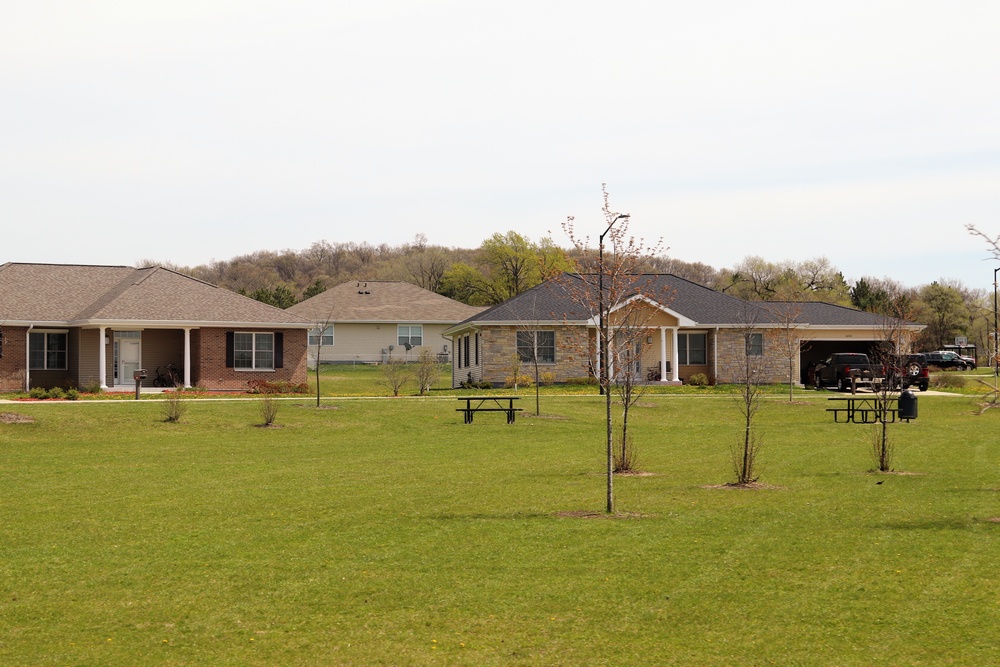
column 813, row 351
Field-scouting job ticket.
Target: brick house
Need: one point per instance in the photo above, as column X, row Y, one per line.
column 75, row 325
column 689, row 329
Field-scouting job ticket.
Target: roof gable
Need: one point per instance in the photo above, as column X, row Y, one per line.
column 382, row 301
column 75, row 294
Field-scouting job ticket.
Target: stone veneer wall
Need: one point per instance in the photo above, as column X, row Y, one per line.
column 499, row 345
column 774, row 366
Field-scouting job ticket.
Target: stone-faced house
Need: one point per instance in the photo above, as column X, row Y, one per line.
column 688, row 329
column 74, row 325
column 369, row 321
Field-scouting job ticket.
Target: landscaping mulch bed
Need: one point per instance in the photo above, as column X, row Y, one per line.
column 14, row 418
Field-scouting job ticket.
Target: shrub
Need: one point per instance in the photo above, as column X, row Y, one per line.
column 72, row 394
column 268, row 409
column 698, row 380
column 174, row 407
column 546, row 379
column 947, row 381
column 474, row 384
column 588, row 380
column 276, row 387
column 38, row 392
column 523, row 380
column 92, row 387
column 56, row 392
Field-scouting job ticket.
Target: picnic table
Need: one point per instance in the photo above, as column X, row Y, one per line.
column 865, row 409
column 474, row 404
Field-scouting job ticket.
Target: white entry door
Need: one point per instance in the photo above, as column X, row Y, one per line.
column 129, row 360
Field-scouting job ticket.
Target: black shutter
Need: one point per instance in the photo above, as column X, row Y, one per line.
column 230, row 349
column 279, row 349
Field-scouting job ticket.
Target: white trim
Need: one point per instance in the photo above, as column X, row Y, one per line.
column 187, row 357
column 102, row 358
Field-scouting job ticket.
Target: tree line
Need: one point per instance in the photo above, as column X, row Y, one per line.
column 505, row 265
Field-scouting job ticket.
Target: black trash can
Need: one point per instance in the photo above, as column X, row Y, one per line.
column 907, row 405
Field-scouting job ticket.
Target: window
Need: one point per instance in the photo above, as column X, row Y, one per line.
column 691, row 349
column 465, row 351
column 755, row 344
column 47, row 350
column 314, row 336
column 253, row 351
column 410, row 334
column 544, row 342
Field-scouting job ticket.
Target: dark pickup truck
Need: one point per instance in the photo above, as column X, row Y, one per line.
column 846, row 371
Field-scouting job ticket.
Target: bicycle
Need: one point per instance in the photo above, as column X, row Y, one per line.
column 166, row 379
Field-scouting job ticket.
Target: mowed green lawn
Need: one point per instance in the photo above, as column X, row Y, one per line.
column 386, row 532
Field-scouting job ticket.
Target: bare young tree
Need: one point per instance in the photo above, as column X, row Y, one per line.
column 395, row 374
column 749, row 380
column 628, row 377
column 427, row 370
column 994, row 339
column 613, row 288
column 320, row 335
column 889, row 358
column 789, row 336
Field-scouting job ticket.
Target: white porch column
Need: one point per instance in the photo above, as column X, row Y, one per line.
column 187, row 357
column 663, row 354
column 102, row 357
column 674, row 355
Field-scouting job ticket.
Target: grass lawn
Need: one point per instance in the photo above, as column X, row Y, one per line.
column 380, row 531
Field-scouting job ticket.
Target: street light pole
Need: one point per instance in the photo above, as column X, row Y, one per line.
column 603, row 348
column 996, row 332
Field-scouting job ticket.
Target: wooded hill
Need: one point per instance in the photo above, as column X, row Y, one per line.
column 507, row 264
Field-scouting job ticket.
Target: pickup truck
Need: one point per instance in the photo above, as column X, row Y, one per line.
column 846, row 371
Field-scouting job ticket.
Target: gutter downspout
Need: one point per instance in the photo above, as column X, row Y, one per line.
column 27, row 358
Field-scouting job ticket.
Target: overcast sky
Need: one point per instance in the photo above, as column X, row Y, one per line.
column 186, row 131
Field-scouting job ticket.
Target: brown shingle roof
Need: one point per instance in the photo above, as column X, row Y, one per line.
column 78, row 294
column 382, row 301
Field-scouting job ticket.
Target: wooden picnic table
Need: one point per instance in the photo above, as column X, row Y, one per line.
column 861, row 409
column 474, row 404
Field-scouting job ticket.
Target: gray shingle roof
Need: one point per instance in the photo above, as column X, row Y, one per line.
column 79, row 294
column 559, row 300
column 382, row 301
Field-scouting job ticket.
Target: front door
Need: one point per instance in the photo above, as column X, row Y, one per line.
column 129, row 360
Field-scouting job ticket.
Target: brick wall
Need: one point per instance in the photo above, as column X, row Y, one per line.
column 208, row 367
column 14, row 357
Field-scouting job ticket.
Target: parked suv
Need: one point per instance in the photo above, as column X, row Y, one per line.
column 970, row 362
column 946, row 360
column 911, row 371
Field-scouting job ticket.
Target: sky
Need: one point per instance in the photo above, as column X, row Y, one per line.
column 187, row 131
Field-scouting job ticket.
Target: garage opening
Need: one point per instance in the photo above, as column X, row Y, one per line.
column 813, row 351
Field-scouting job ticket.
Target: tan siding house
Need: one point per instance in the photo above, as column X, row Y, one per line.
column 75, row 326
column 371, row 321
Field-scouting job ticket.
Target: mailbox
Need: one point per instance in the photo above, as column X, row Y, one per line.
column 907, row 405
column 139, row 374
